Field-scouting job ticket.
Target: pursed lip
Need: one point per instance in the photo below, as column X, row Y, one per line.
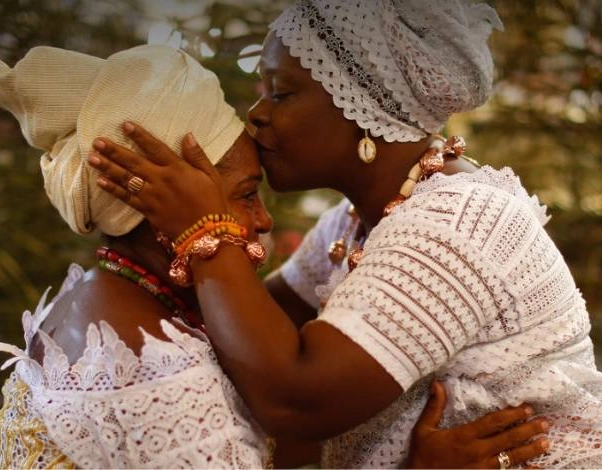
column 262, row 145
column 265, row 153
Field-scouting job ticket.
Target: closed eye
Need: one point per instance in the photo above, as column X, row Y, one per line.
column 280, row 96
column 251, row 195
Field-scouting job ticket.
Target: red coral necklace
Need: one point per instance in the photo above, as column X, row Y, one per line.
column 110, row 260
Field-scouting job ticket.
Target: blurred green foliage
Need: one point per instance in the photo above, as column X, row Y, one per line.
column 545, row 121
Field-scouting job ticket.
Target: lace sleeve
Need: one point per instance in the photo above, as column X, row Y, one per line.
column 170, row 407
column 423, row 289
column 309, row 266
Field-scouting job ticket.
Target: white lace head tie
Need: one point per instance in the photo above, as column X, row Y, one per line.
column 399, row 68
column 64, row 99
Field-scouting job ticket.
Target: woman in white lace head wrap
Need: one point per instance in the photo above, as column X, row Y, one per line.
column 107, row 395
column 442, row 268
column 399, row 69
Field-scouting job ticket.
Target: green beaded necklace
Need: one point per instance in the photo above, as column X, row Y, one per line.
column 110, row 260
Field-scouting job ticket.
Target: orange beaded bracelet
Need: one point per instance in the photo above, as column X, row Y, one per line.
column 214, row 230
column 202, row 224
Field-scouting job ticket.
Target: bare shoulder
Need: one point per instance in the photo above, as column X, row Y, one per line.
column 102, row 296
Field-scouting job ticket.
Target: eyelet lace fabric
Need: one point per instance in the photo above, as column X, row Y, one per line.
column 461, row 282
column 397, row 68
column 170, row 407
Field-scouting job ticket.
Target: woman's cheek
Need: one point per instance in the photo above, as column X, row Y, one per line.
column 243, row 217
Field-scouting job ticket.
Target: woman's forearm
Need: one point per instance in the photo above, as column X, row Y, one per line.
column 258, row 345
column 312, row 383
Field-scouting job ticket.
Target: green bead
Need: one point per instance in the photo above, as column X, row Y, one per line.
column 127, row 272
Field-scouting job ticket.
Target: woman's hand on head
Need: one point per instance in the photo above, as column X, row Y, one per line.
column 476, row 444
column 175, row 192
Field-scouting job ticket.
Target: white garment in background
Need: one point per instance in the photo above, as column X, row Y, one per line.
column 461, row 281
column 172, row 407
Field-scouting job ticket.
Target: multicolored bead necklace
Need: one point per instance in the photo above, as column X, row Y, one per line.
column 110, row 260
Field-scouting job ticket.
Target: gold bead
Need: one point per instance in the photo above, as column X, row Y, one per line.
column 337, row 251
column 354, row 258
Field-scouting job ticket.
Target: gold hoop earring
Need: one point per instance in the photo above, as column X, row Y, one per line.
column 366, row 149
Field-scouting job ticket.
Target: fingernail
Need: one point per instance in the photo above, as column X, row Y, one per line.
column 128, row 127
column 102, row 182
column 528, row 411
column 545, row 444
column 189, row 140
column 545, row 425
column 99, row 144
column 93, row 159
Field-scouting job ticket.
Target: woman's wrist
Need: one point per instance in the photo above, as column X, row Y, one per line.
column 206, row 247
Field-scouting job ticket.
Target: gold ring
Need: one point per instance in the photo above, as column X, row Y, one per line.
column 135, row 184
column 504, row 459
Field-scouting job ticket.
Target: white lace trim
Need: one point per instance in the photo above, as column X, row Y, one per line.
column 399, row 70
column 172, row 406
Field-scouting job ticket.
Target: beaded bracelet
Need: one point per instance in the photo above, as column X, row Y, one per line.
column 214, row 230
column 205, row 247
column 202, row 224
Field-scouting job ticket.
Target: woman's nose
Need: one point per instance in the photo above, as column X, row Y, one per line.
column 258, row 113
column 264, row 222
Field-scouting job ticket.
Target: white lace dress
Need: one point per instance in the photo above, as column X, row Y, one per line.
column 172, row 407
column 461, row 281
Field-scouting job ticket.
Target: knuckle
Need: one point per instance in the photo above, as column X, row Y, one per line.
column 170, row 180
column 473, row 452
column 155, row 149
column 497, row 421
column 521, row 455
column 478, row 451
column 525, row 453
column 520, row 433
column 533, row 427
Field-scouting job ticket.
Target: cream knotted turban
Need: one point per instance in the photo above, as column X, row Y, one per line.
column 64, row 99
column 399, row 68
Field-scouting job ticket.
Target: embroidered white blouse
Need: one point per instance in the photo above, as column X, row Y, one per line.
column 172, row 407
column 460, row 281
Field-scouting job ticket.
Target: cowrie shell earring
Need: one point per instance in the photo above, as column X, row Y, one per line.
column 366, row 149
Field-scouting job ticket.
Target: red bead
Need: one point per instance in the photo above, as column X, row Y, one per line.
column 111, row 260
column 112, row 255
column 166, row 291
column 153, row 279
column 126, row 262
column 139, row 269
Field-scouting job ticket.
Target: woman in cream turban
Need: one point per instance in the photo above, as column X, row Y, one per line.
column 108, row 377
column 429, row 266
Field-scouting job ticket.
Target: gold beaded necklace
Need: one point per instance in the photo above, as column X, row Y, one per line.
column 431, row 161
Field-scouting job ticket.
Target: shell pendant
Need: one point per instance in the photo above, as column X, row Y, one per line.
column 366, row 149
